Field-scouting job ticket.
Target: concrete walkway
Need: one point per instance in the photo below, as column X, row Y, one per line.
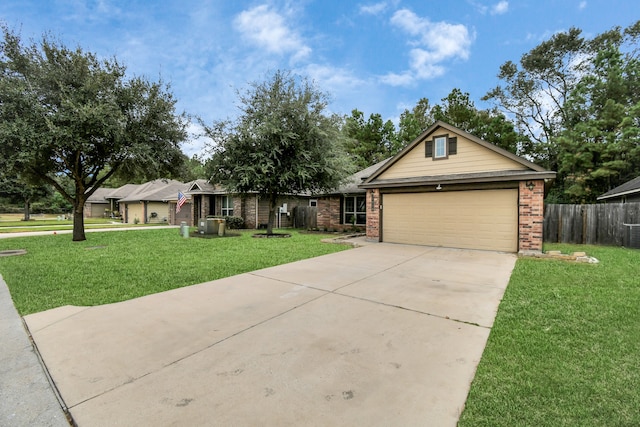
column 26, row 397
column 379, row 335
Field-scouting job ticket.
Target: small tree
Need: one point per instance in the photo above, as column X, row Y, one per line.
column 66, row 114
column 282, row 143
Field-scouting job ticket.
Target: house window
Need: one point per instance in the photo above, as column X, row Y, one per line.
column 227, row 206
column 355, row 210
column 440, row 147
column 313, row 203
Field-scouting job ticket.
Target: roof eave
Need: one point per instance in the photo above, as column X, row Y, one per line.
column 623, row 193
column 464, row 179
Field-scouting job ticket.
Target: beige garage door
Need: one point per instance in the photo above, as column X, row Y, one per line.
column 482, row 219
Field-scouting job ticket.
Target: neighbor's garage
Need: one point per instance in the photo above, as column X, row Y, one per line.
column 478, row 219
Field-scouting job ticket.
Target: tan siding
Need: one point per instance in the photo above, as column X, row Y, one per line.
column 471, row 158
column 482, row 219
column 162, row 209
column 98, row 210
column 135, row 210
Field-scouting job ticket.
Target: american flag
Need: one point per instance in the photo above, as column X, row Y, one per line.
column 181, row 201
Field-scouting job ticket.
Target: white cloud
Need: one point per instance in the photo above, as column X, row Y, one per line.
column 332, row 78
column 393, row 79
column 433, row 44
column 373, row 9
column 582, row 5
column 268, row 29
column 500, row 8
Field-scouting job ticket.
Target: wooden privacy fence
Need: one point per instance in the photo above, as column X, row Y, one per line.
column 600, row 224
column 305, row 217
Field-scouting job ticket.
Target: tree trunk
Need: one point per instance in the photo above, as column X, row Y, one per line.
column 273, row 206
column 27, row 210
column 78, row 221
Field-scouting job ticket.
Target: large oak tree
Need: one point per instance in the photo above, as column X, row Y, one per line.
column 66, row 113
column 283, row 142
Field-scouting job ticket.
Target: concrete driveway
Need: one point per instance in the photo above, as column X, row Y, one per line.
column 379, row 335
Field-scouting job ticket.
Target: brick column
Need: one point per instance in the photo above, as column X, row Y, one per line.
column 373, row 214
column 328, row 216
column 531, row 214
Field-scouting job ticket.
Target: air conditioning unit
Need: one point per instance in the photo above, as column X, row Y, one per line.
column 207, row 226
column 633, row 235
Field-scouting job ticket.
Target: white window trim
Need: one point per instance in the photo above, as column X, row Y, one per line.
column 228, row 210
column 436, row 140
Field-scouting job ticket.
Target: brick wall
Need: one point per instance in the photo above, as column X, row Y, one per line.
column 531, row 214
column 329, row 214
column 373, row 214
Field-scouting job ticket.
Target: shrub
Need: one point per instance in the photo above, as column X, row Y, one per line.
column 11, row 209
column 234, row 222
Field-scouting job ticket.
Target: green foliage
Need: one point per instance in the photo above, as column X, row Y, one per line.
column 368, row 142
column 282, row 143
column 564, row 348
column 65, row 114
column 412, row 123
column 117, row 266
column 234, row 222
column 578, row 101
column 602, row 147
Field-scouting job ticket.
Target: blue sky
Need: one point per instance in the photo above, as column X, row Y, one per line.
column 376, row 56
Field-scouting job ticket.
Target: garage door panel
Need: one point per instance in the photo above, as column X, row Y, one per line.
column 482, row 219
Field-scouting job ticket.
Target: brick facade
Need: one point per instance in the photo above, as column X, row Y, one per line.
column 373, row 214
column 531, row 216
column 329, row 213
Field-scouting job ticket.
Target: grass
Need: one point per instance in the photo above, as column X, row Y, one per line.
column 565, row 346
column 117, row 266
column 9, row 224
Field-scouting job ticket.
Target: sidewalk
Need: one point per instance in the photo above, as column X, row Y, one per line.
column 26, row 396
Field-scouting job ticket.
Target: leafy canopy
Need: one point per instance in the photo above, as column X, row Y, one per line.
column 283, row 142
column 67, row 114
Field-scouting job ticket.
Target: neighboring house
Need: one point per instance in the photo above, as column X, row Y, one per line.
column 450, row 188
column 629, row 192
column 213, row 200
column 97, row 205
column 148, row 202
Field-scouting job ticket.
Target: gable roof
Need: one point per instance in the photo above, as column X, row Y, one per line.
column 99, row 196
column 159, row 190
column 352, row 185
column 203, row 186
column 530, row 170
column 121, row 192
column 629, row 187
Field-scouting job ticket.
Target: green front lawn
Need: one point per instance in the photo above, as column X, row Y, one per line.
column 116, row 266
column 565, row 346
column 49, row 224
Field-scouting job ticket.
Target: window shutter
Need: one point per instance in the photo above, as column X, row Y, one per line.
column 453, row 145
column 341, row 210
column 428, row 146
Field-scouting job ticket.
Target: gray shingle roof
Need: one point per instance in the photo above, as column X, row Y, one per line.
column 159, row 190
column 629, row 187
